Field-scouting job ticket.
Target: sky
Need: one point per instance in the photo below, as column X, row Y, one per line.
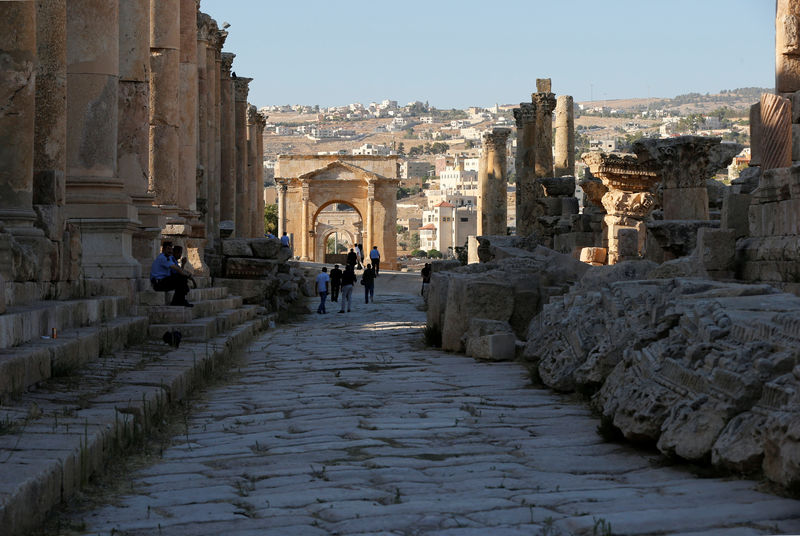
column 461, row 53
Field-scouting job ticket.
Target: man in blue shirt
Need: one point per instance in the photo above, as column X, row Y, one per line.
column 165, row 274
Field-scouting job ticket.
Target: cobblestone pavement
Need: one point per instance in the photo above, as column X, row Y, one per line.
column 347, row 424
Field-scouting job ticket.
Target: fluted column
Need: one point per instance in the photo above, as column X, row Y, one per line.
column 241, row 89
column 370, row 238
column 565, row 137
column 187, row 110
column 527, row 213
column 214, row 58
column 97, row 200
column 49, row 159
column 133, row 132
column 545, row 102
column 250, row 179
column 203, row 22
column 227, row 145
column 165, row 39
column 18, row 75
column 492, row 184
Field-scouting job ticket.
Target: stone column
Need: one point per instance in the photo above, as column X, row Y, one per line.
column 18, row 105
column 97, row 201
column 252, row 175
column 214, row 56
column 305, row 227
column 527, row 190
column 259, row 216
column 227, row 146
column 628, row 201
column 203, row 22
column 787, row 46
column 187, row 110
column 165, row 39
column 492, row 184
column 133, row 132
column 775, row 132
column 282, row 187
column 545, row 102
column 50, row 131
column 370, row 238
column 565, row 137
column 683, row 165
column 241, row 89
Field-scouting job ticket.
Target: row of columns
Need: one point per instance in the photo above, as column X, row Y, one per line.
column 121, row 122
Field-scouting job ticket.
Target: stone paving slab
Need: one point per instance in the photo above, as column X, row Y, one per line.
column 347, row 424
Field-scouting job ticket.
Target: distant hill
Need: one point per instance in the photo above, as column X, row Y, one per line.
column 738, row 99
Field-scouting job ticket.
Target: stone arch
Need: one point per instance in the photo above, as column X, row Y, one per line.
column 307, row 184
column 323, row 229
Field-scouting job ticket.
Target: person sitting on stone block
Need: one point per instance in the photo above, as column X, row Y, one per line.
column 166, row 274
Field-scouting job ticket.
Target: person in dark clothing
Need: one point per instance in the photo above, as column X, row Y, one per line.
column 368, row 280
column 352, row 258
column 426, row 277
column 165, row 274
column 336, row 282
column 348, row 280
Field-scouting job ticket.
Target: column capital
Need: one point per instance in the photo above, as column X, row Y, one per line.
column 241, row 87
column 496, row 138
column 262, row 120
column 227, row 63
column 526, row 113
column 546, row 102
column 204, row 27
column 252, row 114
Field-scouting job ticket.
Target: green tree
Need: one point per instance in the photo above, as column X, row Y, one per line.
column 271, row 219
column 401, row 148
column 418, row 253
column 414, row 240
column 434, row 254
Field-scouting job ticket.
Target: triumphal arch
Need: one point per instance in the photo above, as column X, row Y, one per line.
column 308, row 184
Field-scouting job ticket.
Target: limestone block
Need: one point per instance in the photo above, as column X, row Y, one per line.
column 2, row 295
column 496, row 347
column 237, row 247
column 716, row 249
column 782, row 449
column 735, row 208
column 569, row 206
column 795, row 142
column 266, row 248
column 558, row 186
column 681, row 267
column 238, row 267
column 692, row 428
column 685, row 203
column 594, row 256
column 627, row 242
column 527, row 304
column 740, row 446
column 468, row 298
column 251, row 290
column 436, row 299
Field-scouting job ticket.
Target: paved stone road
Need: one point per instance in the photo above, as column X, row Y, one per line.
column 347, row 424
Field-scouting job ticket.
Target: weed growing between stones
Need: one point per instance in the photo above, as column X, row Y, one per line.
column 433, row 336
column 601, row 527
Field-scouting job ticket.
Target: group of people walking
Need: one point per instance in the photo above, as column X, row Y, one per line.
column 340, row 283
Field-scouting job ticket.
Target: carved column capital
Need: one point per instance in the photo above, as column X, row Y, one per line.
column 204, row 27
column 545, row 102
column 525, row 114
column 241, row 87
column 227, row 63
column 496, row 139
column 252, row 115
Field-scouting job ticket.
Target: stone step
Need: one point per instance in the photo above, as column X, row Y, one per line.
column 21, row 367
column 204, row 328
column 25, row 323
column 151, row 297
column 58, row 436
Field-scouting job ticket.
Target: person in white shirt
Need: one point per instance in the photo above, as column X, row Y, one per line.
column 375, row 258
column 323, row 287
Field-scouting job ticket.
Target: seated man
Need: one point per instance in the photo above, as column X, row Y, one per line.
column 165, row 274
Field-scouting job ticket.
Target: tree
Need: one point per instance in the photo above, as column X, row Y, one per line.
column 414, row 240
column 271, row 219
column 401, row 148
column 418, row 253
column 434, row 254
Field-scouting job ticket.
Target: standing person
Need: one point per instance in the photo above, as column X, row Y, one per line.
column 348, row 280
column 360, row 253
column 285, row 240
column 165, row 274
column 368, row 280
column 336, row 282
column 375, row 257
column 352, row 258
column 323, row 286
column 426, row 277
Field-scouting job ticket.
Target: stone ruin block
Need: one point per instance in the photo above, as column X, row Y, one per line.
column 268, row 248
column 237, row 247
column 594, row 256
column 735, row 208
column 627, row 243
column 249, row 267
column 473, row 297
column 490, row 339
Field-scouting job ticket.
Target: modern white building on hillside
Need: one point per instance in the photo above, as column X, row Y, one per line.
column 446, row 225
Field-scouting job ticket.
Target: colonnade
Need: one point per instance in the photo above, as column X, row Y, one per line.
column 122, row 125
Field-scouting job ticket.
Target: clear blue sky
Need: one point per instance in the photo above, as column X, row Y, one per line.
column 459, row 53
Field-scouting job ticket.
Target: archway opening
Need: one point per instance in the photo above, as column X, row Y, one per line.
column 338, row 226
